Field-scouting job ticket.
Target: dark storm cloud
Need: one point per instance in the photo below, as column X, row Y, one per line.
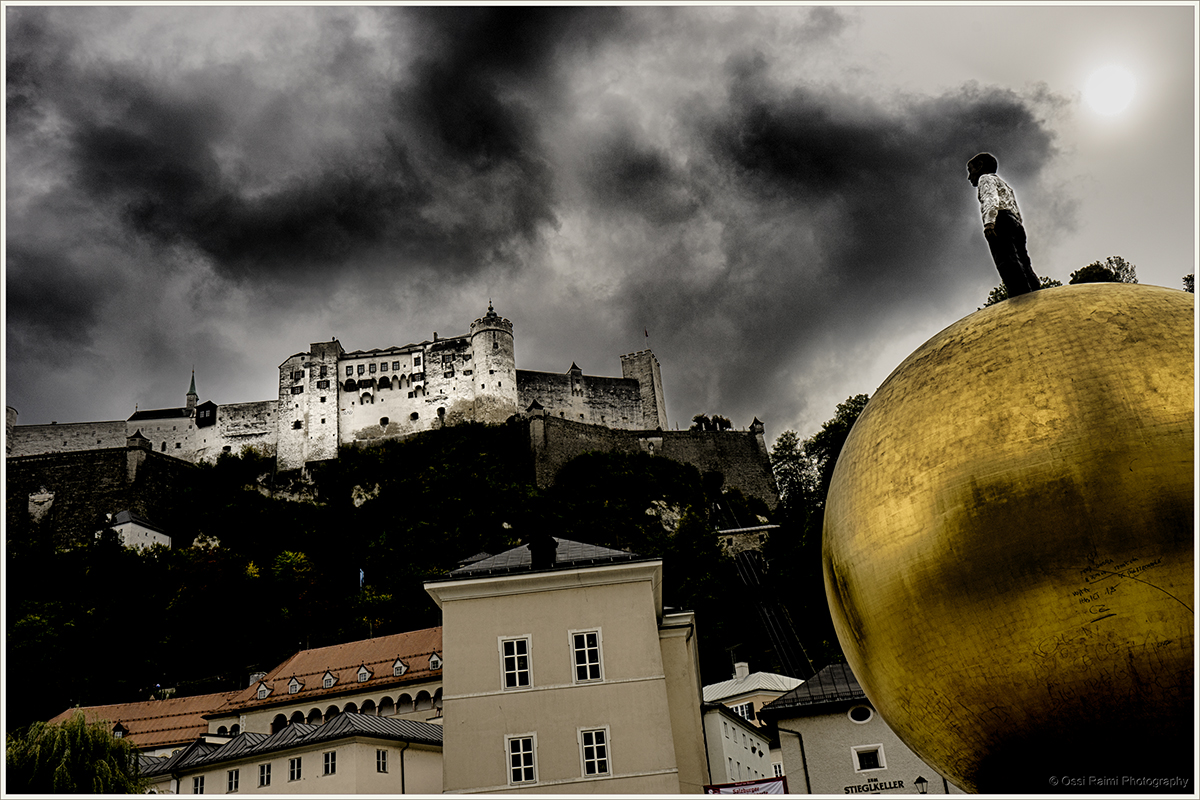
column 631, row 177
column 51, row 300
column 839, row 214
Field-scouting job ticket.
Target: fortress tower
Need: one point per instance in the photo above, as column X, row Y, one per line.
column 642, row 366
column 308, row 405
column 495, row 370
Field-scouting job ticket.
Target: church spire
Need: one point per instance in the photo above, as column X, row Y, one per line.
column 192, row 397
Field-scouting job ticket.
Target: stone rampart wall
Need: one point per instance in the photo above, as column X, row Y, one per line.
column 740, row 456
column 69, row 494
column 613, row 402
column 28, row 440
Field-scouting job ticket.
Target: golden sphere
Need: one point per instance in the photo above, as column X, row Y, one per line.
column 1008, row 542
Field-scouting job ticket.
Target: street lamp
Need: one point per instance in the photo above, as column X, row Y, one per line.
column 921, row 784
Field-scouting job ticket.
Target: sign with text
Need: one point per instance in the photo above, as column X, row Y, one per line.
column 763, row 786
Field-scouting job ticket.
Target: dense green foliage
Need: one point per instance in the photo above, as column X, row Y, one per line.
column 266, row 565
column 1113, row 269
column 72, row 757
column 804, row 469
column 1000, row 292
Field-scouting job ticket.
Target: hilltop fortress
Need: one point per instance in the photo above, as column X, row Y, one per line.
column 329, row 397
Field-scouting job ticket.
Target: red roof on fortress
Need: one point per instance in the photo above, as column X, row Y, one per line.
column 157, row 723
column 419, row 653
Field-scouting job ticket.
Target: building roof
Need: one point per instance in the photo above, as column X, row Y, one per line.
column 123, row 517
column 753, row 683
column 834, row 684
column 414, row 649
column 158, row 723
column 161, row 413
column 567, row 555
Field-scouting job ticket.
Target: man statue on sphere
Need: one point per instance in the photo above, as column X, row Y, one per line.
column 1002, row 226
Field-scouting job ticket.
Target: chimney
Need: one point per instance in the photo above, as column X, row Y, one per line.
column 255, row 677
column 542, row 549
column 741, row 670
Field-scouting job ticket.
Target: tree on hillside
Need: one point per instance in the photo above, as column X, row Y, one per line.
column 73, row 757
column 1113, row 269
column 803, row 470
column 1000, row 292
column 1189, row 282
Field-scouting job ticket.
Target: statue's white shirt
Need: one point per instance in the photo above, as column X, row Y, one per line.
column 995, row 194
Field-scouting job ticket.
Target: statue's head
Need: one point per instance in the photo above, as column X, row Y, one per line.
column 982, row 164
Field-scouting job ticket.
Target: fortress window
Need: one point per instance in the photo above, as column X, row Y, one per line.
column 297, row 425
column 324, row 371
column 441, row 412
column 361, row 369
column 449, row 374
column 371, row 369
column 495, row 345
column 395, row 366
column 297, row 390
column 164, row 446
column 322, row 420
column 465, row 372
column 178, row 445
column 298, row 376
column 322, row 399
column 383, row 367
column 410, row 394
column 352, row 385
column 349, row 371
column 226, row 449
column 383, row 422
column 414, row 416
column 323, row 385
column 416, row 361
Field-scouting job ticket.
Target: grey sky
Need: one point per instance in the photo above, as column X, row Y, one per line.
column 777, row 195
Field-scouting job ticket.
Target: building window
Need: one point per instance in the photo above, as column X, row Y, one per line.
column 231, row 780
column 515, row 658
column 263, row 691
column 329, row 681
column 778, row 769
column 395, row 366
column 381, row 760
column 363, row 674
column 435, row 661
column 331, row 763
column 298, row 389
column 349, row 371
column 361, row 369
column 745, row 711
column 416, row 361
column 297, row 425
column 868, row 757
column 294, row 769
column 383, row 367
column 198, row 785
column 324, row 371
column 861, row 714
column 594, row 751
column 522, row 766
column 371, row 369
column 178, row 445
column 399, row 668
column 586, row 647
column 293, row 686
column 323, row 385
column 264, row 774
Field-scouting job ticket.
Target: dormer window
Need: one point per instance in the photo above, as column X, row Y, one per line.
column 329, row 680
column 263, row 691
column 435, row 661
column 119, row 731
column 294, row 686
column 399, row 668
column 364, row 674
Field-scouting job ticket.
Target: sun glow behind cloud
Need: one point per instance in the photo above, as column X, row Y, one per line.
column 1110, row 89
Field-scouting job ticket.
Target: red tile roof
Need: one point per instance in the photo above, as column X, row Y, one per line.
column 158, row 723
column 343, row 660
